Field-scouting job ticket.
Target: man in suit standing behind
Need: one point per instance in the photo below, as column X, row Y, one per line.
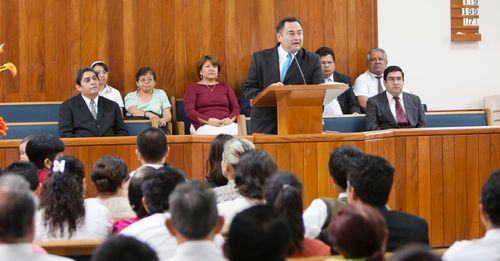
column 276, row 67
column 345, row 103
column 394, row 108
column 87, row 114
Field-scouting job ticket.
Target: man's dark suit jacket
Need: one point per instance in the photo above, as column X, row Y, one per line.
column 264, row 70
column 347, row 100
column 404, row 229
column 379, row 116
column 75, row 119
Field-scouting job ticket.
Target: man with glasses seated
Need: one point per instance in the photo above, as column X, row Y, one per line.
column 87, row 114
column 394, row 108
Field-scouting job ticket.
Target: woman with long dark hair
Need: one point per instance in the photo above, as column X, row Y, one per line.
column 283, row 191
column 64, row 213
column 214, row 176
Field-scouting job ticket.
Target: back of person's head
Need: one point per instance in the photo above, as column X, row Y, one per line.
column 135, row 192
column 359, row 231
column 234, row 148
column 108, row 174
column 283, row 191
column 254, row 168
column 62, row 197
column 214, row 160
column 194, row 210
column 415, row 252
column 342, row 161
column 257, row 233
column 124, row 248
column 25, row 169
column 43, row 146
column 324, row 51
column 372, row 180
column 157, row 188
column 17, row 209
column 152, row 144
column 490, row 198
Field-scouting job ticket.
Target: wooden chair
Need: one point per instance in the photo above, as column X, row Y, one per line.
column 178, row 126
column 492, row 107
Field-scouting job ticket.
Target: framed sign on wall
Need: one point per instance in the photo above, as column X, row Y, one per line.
column 465, row 20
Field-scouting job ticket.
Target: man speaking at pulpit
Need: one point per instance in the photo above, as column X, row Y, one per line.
column 285, row 64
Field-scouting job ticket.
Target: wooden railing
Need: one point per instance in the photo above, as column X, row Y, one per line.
column 439, row 171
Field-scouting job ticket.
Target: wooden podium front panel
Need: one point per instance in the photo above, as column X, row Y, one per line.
column 299, row 112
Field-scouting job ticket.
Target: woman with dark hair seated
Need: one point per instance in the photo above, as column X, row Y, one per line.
column 64, row 213
column 110, row 177
column 251, row 173
column 211, row 106
column 283, row 191
column 135, row 198
column 148, row 102
column 359, row 231
column 215, row 177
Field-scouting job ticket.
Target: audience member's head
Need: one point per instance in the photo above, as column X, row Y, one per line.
column 158, row 187
column 283, row 191
column 254, row 168
column 258, row 233
column 124, row 248
column 17, row 210
column 62, row 197
column 233, row 149
column 490, row 201
column 376, row 61
column 109, row 174
column 152, row 146
column 193, row 208
column 43, row 148
column 22, row 148
column 215, row 176
column 371, row 181
column 359, row 231
column 327, row 60
column 415, row 252
column 342, row 161
column 135, row 192
column 27, row 170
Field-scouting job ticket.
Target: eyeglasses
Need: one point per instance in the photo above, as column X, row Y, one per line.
column 146, row 80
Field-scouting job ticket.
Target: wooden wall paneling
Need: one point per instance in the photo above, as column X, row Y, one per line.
column 270, row 148
column 168, row 47
column 49, row 54
column 286, row 8
column 142, row 36
column 180, row 49
column 37, row 70
column 310, row 179
column 449, row 195
column 495, row 151
column 13, row 21
column 154, row 39
column 297, row 161
column 335, row 32
column 94, row 154
column 206, row 151
column 473, row 220
column 424, row 180
column 461, row 185
column 352, row 47
column 198, row 169
column 77, row 43
column 193, row 38
column 283, row 155
column 400, row 189
column 324, row 179
column 127, row 154
column 436, row 190
column 412, row 175
column 64, row 86
column 333, row 146
column 102, row 31
column 129, row 68
column 364, row 20
column 11, row 155
column 484, row 150
column 216, row 35
column 176, row 156
column 267, row 21
column 312, row 12
column 114, row 43
column 89, row 35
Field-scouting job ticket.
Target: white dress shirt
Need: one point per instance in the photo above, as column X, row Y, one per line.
column 282, row 54
column 113, row 94
column 333, row 107
column 23, row 252
column 392, row 104
column 198, row 250
column 486, row 248
column 87, row 101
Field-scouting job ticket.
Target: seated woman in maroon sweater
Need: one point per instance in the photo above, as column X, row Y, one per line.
column 211, row 106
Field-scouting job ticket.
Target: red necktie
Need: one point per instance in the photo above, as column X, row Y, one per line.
column 400, row 114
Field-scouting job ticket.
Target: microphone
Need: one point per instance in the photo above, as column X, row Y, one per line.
column 300, row 69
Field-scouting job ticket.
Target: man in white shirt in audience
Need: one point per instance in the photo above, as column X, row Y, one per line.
column 156, row 191
column 318, row 215
column 488, row 247
column 194, row 223
column 17, row 227
column 152, row 148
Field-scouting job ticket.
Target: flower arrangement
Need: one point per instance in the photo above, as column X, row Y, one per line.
column 3, row 127
column 8, row 66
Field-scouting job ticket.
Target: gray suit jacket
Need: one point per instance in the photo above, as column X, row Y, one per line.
column 379, row 116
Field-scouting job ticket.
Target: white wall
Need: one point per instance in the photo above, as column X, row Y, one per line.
column 445, row 74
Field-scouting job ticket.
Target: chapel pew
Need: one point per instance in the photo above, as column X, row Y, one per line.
column 30, row 111
column 80, row 250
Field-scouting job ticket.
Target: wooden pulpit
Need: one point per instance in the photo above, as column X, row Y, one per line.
column 299, row 107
